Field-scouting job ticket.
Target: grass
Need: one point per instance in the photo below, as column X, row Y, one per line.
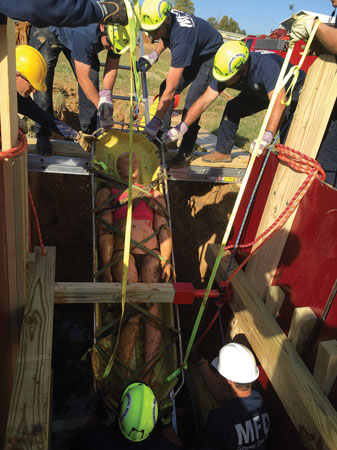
column 249, row 126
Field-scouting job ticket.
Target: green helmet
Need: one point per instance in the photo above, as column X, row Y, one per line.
column 138, row 413
column 229, row 59
column 154, row 13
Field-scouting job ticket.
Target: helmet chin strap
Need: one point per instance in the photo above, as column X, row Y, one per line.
column 332, row 14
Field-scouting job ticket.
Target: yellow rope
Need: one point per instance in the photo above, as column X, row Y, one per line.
column 127, row 239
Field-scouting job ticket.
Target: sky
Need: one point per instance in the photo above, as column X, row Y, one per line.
column 259, row 16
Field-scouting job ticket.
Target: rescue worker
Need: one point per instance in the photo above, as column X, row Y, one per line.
column 255, row 75
column 81, row 47
column 327, row 36
column 64, row 13
column 193, row 43
column 137, row 418
column 31, row 72
column 241, row 421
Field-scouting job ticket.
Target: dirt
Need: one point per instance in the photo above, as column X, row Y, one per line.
column 199, row 213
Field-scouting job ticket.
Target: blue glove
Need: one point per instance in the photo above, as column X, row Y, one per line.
column 147, row 61
column 105, row 109
column 153, row 126
column 174, row 134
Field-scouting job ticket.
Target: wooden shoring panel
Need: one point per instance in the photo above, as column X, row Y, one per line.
column 29, row 415
column 10, row 289
column 310, row 411
column 112, row 293
column 305, row 135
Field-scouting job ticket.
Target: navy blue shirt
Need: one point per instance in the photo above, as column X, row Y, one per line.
column 240, row 424
column 190, row 39
column 61, row 13
column 83, row 42
column 29, row 108
column 262, row 77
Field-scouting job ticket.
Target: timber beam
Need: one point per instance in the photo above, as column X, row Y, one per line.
column 28, row 423
column 177, row 293
column 112, row 292
column 307, row 406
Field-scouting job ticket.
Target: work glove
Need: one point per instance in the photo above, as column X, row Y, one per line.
column 113, row 12
column 151, row 129
column 301, row 27
column 147, row 61
column 105, row 109
column 85, row 140
column 174, row 134
column 265, row 141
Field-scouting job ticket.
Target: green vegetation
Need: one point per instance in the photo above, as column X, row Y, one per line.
column 226, row 24
column 184, row 5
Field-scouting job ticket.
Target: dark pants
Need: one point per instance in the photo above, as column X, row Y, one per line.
column 327, row 155
column 244, row 105
column 199, row 76
column 50, row 47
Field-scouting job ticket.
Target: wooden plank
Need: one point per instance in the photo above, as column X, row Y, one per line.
column 302, row 323
column 28, row 419
column 274, row 299
column 311, row 412
column 325, row 371
column 111, row 292
column 305, row 135
column 9, row 329
column 61, row 148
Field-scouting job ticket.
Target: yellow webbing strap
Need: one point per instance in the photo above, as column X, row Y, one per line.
column 295, row 70
column 127, row 240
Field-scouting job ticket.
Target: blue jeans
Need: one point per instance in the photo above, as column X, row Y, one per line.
column 327, row 155
column 50, row 47
column 199, row 76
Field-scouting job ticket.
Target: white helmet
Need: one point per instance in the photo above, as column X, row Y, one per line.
column 236, row 363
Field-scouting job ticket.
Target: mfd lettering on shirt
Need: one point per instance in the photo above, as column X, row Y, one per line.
column 253, row 432
column 184, row 19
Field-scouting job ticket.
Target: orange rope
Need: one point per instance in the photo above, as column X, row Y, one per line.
column 21, row 147
column 300, row 163
column 38, row 229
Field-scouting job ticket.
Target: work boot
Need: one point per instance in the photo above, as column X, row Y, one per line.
column 43, row 145
column 181, row 159
column 114, row 12
column 215, row 157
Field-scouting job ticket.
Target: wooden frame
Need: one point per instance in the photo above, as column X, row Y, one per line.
column 310, row 411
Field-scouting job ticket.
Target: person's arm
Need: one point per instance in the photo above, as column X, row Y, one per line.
column 327, row 37
column 161, row 46
column 83, row 77
column 29, row 108
column 200, row 105
column 105, row 236
column 60, row 13
column 277, row 112
column 215, row 383
column 164, row 237
column 110, row 72
column 195, row 111
column 172, row 80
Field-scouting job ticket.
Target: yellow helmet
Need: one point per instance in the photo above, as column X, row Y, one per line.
column 32, row 66
column 229, row 59
column 118, row 37
column 154, row 13
column 138, row 413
